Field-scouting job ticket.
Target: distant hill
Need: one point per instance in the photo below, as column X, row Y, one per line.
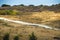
column 32, row 8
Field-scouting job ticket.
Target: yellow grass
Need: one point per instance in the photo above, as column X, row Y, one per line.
column 24, row 31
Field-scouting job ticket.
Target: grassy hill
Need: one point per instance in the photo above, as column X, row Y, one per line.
column 31, row 8
column 48, row 15
column 23, row 31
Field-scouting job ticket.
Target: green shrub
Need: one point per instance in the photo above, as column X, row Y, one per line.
column 8, row 12
column 6, row 37
column 32, row 37
column 16, row 38
column 11, row 12
column 5, row 5
column 3, row 12
column 57, row 37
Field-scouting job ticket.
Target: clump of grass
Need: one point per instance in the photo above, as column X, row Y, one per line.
column 32, row 36
column 16, row 38
column 6, row 37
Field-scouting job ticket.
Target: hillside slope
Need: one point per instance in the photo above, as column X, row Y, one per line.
column 46, row 17
column 23, row 31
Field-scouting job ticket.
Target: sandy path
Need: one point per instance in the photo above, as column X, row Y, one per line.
column 26, row 23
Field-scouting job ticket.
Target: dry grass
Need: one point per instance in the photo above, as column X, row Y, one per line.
column 45, row 17
column 23, row 31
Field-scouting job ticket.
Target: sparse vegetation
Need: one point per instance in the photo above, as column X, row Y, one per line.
column 6, row 36
column 8, row 12
column 56, row 37
column 16, row 38
column 5, row 5
column 32, row 8
column 34, row 14
column 32, row 37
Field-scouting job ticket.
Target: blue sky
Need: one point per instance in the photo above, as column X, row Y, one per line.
column 28, row 2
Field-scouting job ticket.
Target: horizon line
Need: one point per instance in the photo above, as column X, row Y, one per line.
column 32, row 4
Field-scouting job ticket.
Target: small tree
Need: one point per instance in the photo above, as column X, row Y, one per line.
column 6, row 37
column 32, row 37
column 31, row 5
column 21, row 5
column 16, row 38
column 5, row 5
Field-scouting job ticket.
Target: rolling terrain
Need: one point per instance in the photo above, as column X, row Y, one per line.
column 48, row 18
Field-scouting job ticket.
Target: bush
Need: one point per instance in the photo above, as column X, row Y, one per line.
column 16, row 38
column 8, row 12
column 6, row 37
column 11, row 12
column 57, row 37
column 21, row 5
column 32, row 37
column 5, row 5
column 3, row 12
